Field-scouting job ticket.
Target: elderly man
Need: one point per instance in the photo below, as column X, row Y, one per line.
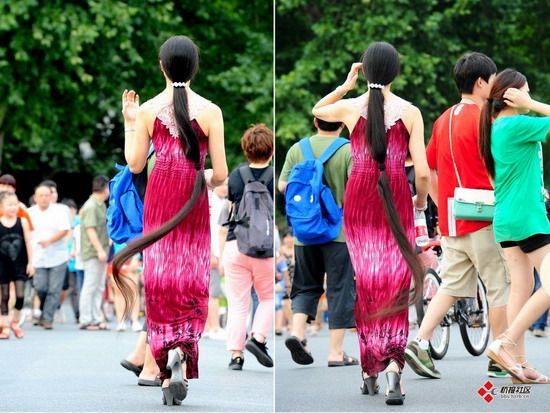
column 50, row 252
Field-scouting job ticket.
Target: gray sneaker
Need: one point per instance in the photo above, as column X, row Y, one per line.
column 421, row 361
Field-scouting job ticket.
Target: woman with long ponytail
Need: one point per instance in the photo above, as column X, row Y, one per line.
column 183, row 127
column 510, row 144
column 378, row 211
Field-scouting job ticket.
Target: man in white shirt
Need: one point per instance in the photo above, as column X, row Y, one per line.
column 50, row 251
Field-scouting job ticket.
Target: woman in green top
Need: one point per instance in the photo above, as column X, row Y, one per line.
column 512, row 149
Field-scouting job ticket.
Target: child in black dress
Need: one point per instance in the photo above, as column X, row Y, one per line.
column 15, row 262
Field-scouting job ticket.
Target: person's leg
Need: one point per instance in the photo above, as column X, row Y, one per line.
column 4, row 300
column 340, row 297
column 135, row 309
column 99, row 269
column 19, row 286
column 79, row 280
column 150, row 369
column 64, row 289
column 137, row 357
column 489, row 260
column 87, row 293
column 215, row 291
column 40, row 281
column 74, row 294
column 287, row 314
column 262, row 277
column 213, row 321
column 4, row 309
column 119, row 307
column 521, row 275
column 238, row 278
column 539, row 326
column 56, row 280
column 307, row 287
column 459, row 279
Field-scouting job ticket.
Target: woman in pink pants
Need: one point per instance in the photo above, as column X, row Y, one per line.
column 244, row 271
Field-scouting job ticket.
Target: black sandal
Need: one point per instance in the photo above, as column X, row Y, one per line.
column 176, row 391
column 131, row 367
column 370, row 385
column 298, row 350
column 346, row 361
column 394, row 395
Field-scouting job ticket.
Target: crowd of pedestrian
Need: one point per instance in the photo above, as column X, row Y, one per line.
column 369, row 268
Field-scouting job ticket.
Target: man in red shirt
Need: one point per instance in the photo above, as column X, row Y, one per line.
column 469, row 247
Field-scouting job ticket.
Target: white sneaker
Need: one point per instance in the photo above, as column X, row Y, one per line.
column 220, row 335
column 121, row 326
column 137, row 327
column 23, row 316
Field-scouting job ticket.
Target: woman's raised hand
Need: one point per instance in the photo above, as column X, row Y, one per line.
column 516, row 98
column 130, row 105
column 353, row 74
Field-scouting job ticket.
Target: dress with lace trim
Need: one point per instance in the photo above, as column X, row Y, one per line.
column 166, row 112
column 393, row 111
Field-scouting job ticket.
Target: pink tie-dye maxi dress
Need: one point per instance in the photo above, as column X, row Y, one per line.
column 380, row 269
column 176, row 268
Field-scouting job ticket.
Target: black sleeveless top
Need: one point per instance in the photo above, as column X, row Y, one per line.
column 12, row 245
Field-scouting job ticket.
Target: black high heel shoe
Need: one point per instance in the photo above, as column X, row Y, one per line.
column 394, row 395
column 370, row 385
column 176, row 391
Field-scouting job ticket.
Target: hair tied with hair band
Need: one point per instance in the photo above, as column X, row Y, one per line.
column 376, row 86
column 178, row 84
column 381, row 167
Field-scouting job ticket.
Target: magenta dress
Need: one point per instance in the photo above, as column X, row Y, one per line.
column 177, row 267
column 380, row 269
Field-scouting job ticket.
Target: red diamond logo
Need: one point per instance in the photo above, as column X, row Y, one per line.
column 484, row 392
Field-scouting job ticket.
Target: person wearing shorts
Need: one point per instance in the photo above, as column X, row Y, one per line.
column 469, row 247
column 313, row 262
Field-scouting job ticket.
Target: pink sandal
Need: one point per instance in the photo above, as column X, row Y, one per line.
column 496, row 352
column 17, row 331
column 4, row 332
column 540, row 378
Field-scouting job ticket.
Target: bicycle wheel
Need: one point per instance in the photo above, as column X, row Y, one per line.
column 439, row 344
column 474, row 324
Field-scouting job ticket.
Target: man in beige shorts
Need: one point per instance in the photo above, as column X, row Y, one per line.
column 469, row 247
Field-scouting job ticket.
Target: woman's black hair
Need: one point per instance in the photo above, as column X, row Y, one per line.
column 381, row 65
column 179, row 58
column 508, row 78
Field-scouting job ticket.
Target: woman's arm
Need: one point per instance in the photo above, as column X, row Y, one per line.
column 517, row 98
column 28, row 246
column 216, row 146
column 136, row 132
column 332, row 109
column 417, row 149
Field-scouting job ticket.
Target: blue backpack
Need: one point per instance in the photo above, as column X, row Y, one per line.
column 125, row 210
column 311, row 209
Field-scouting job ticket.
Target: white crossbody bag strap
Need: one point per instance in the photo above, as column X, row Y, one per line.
column 451, row 145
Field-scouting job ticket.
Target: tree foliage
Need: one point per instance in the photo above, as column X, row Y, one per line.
column 317, row 41
column 65, row 63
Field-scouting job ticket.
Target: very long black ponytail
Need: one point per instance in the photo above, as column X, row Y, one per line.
column 179, row 57
column 381, row 66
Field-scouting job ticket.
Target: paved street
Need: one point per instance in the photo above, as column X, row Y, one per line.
column 319, row 388
column 71, row 370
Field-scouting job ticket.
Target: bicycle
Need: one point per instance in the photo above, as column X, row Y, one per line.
column 471, row 314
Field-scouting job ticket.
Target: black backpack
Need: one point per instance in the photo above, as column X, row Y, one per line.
column 254, row 217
